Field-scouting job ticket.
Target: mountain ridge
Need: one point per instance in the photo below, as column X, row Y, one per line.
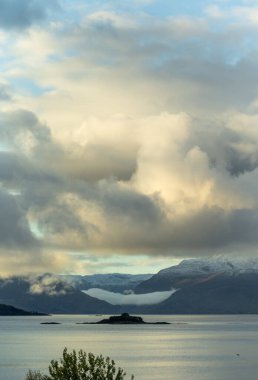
column 116, row 282
column 190, row 271
column 203, row 286
column 206, row 286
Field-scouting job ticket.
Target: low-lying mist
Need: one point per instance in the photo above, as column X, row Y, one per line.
column 129, row 299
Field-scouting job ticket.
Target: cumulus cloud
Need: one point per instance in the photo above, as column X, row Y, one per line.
column 182, row 194
column 21, row 130
column 145, row 140
column 14, row 228
column 129, row 299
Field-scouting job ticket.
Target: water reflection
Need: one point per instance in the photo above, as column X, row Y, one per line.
column 192, row 347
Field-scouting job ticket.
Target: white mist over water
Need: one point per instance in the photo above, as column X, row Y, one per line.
column 129, row 299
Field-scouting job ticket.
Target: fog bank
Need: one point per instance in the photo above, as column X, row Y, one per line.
column 129, row 299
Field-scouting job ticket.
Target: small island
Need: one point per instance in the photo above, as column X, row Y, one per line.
column 124, row 319
column 50, row 323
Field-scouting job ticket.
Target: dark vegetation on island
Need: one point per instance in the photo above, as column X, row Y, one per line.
column 123, row 319
column 50, row 323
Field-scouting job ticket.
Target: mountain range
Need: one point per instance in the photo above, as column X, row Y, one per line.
column 200, row 286
column 192, row 271
column 114, row 282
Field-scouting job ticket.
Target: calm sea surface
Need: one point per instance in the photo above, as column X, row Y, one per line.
column 191, row 348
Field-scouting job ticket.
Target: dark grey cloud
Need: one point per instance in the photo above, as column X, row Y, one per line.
column 14, row 229
column 21, row 129
column 73, row 209
column 227, row 149
column 94, row 162
column 207, row 231
column 210, row 229
column 61, row 218
column 16, row 14
column 240, row 162
column 128, row 204
column 16, row 169
column 148, row 230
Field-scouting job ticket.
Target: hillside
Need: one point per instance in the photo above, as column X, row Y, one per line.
column 49, row 297
column 7, row 310
column 219, row 294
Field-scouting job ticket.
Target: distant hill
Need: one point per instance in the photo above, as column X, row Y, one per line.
column 7, row 310
column 45, row 296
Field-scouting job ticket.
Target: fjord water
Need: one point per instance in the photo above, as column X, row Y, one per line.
column 190, row 348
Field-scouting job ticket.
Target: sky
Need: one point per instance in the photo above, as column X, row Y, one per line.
column 128, row 133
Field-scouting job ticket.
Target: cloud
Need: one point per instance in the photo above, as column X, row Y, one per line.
column 173, row 64
column 183, row 193
column 129, row 299
column 48, row 284
column 241, row 13
column 15, row 14
column 5, row 93
column 144, row 140
column 22, row 131
column 14, row 228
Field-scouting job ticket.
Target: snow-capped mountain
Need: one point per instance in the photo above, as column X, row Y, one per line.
column 212, row 265
column 192, row 271
column 206, row 286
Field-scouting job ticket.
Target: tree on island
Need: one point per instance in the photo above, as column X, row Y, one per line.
column 80, row 366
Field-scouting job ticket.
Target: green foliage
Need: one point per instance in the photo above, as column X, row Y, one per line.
column 80, row 366
column 35, row 375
